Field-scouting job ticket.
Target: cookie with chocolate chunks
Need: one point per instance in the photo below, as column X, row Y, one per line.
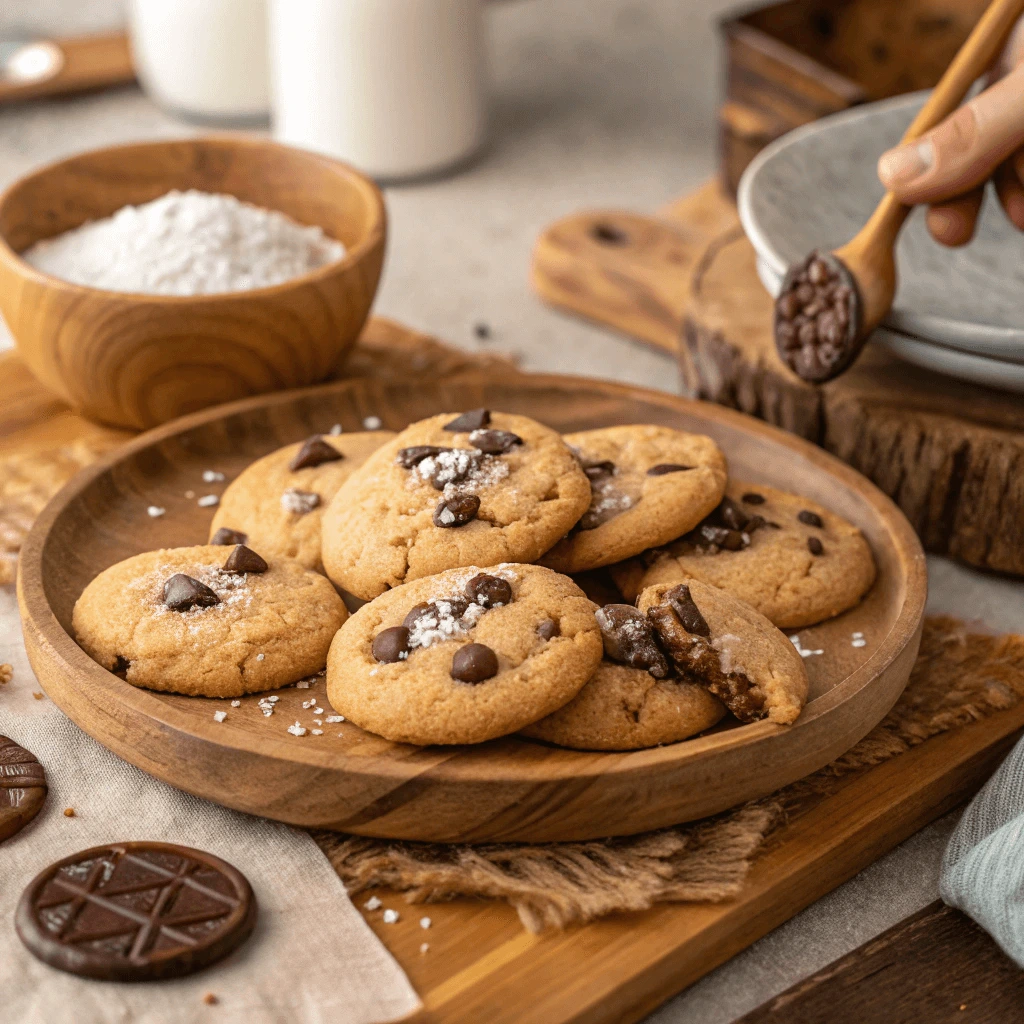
column 263, row 508
column 139, row 911
column 452, row 491
column 788, row 557
column 22, row 787
column 464, row 656
column 185, row 620
column 729, row 648
column 648, row 485
column 626, row 706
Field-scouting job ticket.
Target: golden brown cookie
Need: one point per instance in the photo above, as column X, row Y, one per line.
column 464, row 656
column 475, row 489
column 277, row 508
column 177, row 620
column 635, row 699
column 648, row 485
column 788, row 557
column 722, row 643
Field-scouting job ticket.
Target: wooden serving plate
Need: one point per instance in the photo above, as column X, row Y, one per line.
column 509, row 789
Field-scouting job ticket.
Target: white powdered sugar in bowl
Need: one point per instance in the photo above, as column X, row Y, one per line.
column 186, row 243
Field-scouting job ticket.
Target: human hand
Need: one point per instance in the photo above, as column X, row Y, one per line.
column 947, row 168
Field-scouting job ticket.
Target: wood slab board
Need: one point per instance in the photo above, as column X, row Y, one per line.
column 481, row 965
column 949, row 453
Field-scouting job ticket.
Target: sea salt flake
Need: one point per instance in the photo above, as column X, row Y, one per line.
column 424, row 946
column 372, row 423
column 236, row 703
column 155, row 511
column 274, row 699
column 299, row 502
column 335, row 430
column 260, row 657
column 190, row 494
column 317, row 732
column 391, row 916
column 318, row 711
column 373, row 903
column 219, row 716
column 332, row 719
column 212, row 476
column 859, row 642
column 318, row 721
column 303, row 684
column 297, row 729
column 309, row 703
column 208, row 501
column 425, row 922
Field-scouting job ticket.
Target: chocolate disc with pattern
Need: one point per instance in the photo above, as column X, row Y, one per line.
column 22, row 787
column 136, row 912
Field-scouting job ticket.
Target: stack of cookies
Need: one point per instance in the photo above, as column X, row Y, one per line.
column 465, row 536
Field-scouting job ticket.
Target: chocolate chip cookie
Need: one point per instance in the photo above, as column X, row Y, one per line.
column 734, row 651
column 636, row 698
column 208, row 621
column 648, row 486
column 475, row 489
column 788, row 557
column 276, row 503
column 464, row 656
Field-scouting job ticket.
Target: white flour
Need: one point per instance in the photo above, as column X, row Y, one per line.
column 186, row 243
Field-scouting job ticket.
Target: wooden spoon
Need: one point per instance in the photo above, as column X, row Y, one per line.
column 831, row 302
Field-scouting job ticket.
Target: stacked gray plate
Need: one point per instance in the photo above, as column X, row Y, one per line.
column 957, row 311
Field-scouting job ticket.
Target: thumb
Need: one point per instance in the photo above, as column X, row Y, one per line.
column 963, row 151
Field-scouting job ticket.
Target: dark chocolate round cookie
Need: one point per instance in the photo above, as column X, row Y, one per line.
column 22, row 787
column 136, row 912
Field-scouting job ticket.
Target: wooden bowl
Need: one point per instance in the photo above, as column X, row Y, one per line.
column 135, row 360
column 508, row 789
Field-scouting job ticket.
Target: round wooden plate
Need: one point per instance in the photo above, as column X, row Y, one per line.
column 508, row 789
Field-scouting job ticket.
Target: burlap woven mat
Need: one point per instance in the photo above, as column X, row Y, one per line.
column 959, row 677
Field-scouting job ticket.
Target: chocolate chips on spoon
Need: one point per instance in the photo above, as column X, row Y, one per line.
column 474, row 663
column 136, row 912
column 314, row 452
column 182, row 592
column 456, row 511
column 475, row 419
column 22, row 787
column 629, row 639
column 243, row 560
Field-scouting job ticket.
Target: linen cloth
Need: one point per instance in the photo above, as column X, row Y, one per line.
column 983, row 866
column 312, row 958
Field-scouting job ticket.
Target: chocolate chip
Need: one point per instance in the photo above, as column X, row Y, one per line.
column 416, row 612
column 548, row 628
column 810, row 518
column 453, row 465
column 456, row 511
column 729, row 513
column 456, row 609
column 391, row 645
column 475, row 419
column 225, row 535
column 243, row 560
column 489, row 591
column 680, row 600
column 121, row 666
column 662, row 468
column 314, row 452
column 494, row 442
column 22, row 787
column 629, row 639
column 139, row 911
column 815, row 546
column 474, row 663
column 752, row 498
column 730, row 540
column 754, row 523
column 599, row 470
column 482, row 331
column 182, row 592
column 409, row 457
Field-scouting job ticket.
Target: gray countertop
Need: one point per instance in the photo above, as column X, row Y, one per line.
column 597, row 103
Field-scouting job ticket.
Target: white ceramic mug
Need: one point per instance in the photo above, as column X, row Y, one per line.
column 396, row 87
column 204, row 59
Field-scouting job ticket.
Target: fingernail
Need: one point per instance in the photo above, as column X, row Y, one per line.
column 905, row 163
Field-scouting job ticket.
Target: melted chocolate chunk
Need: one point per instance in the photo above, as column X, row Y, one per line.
column 474, row 663
column 136, row 912
column 489, row 591
column 494, row 442
column 456, row 511
column 391, row 645
column 810, row 518
column 409, row 457
column 599, row 470
column 680, row 600
column 629, row 639
column 731, row 515
column 22, row 787
column 314, row 452
column 548, row 628
column 730, row 540
column 243, row 560
column 475, row 419
column 225, row 536
column 663, row 468
column 182, row 592
column 815, row 546
column 752, row 498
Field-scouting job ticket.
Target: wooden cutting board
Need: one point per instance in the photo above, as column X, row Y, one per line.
column 950, row 454
column 480, row 964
